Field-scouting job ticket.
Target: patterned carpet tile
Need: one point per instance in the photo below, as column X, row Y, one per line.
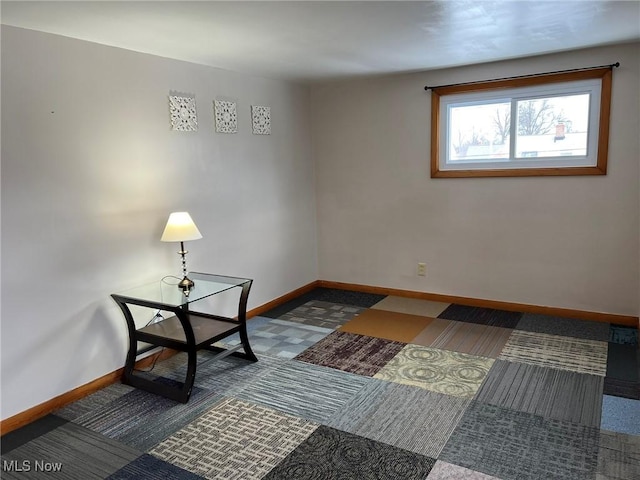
column 352, row 353
column 149, row 467
column 280, row 338
column 621, row 388
column 446, row 471
column 450, row 373
column 330, row 454
column 412, row 306
column 308, row 391
column 548, row 392
column 623, row 334
column 573, row 354
column 471, row 338
column 568, row 327
column 322, row 314
column 483, row 316
column 413, row 419
column 234, row 440
column 619, row 457
column 516, row 445
column 75, row 451
column 400, row 327
column 620, row 415
column 623, row 362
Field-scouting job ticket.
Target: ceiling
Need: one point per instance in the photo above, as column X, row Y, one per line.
column 310, row 41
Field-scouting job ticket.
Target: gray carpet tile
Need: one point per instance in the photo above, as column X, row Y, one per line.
column 548, row 392
column 619, row 456
column 234, row 440
column 94, row 402
column 484, row 316
column 620, row 415
column 330, row 454
column 568, row 327
column 322, row 314
column 447, row 471
column 149, row 467
column 622, row 362
column 305, row 390
column 516, row 445
column 280, row 338
column 410, row 418
column 353, row 353
column 228, row 375
column 79, row 453
column 356, row 410
column 554, row 351
column 19, row 437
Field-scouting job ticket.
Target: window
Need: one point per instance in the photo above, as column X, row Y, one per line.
column 554, row 124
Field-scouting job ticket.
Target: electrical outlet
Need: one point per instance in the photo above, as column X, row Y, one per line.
column 422, row 269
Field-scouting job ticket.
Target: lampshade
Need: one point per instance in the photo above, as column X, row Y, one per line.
column 180, row 228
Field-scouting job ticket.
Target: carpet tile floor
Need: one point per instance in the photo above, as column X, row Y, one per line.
column 358, row 386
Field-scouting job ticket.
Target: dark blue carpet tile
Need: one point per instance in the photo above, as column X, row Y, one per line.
column 482, row 316
column 330, row 454
column 280, row 310
column 621, row 388
column 622, row 362
column 347, row 297
column 142, row 419
column 329, row 295
column 152, row 468
column 623, row 334
column 27, row 433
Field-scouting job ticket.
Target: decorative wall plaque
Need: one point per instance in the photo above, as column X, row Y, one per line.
column 261, row 120
column 226, row 116
column 183, row 113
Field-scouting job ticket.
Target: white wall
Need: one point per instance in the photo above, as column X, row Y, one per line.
column 558, row 241
column 90, row 172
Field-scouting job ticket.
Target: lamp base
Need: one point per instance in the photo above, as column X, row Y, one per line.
column 186, row 283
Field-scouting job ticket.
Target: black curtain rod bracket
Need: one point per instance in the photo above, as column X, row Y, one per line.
column 612, row 66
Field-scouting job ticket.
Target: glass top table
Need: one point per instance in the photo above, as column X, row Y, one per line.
column 186, row 330
column 168, row 294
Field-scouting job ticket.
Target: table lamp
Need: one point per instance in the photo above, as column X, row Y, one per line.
column 180, row 228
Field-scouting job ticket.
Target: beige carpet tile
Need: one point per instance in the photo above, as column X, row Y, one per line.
column 450, row 373
column 412, row 306
column 400, row 327
column 471, row 338
column 235, row 440
column 563, row 353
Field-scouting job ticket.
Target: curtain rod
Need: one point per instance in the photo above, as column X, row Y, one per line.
column 612, row 66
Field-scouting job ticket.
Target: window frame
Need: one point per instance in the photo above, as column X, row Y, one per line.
column 494, row 87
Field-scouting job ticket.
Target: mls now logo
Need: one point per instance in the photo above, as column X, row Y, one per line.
column 28, row 465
